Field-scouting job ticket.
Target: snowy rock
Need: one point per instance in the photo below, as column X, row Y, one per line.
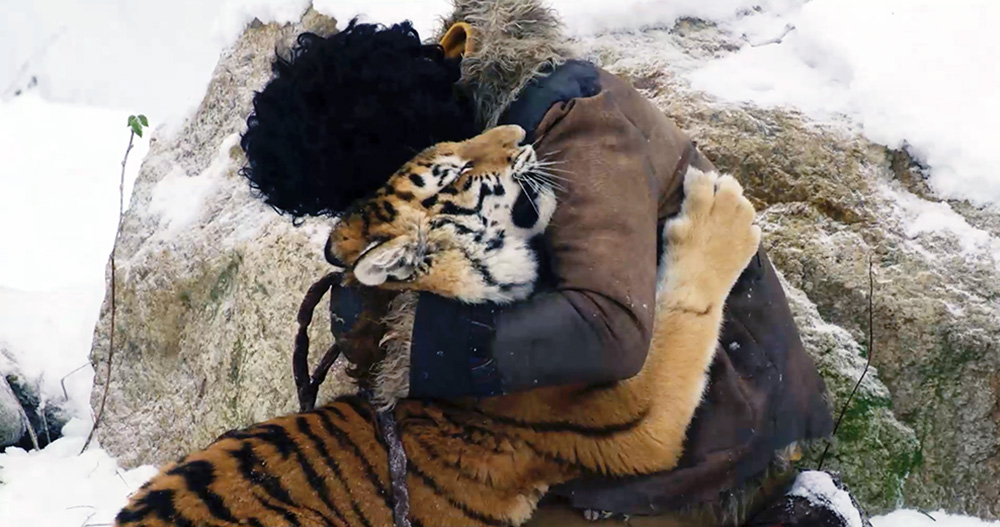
column 924, row 429
column 208, row 280
column 25, row 410
column 12, row 426
column 816, row 499
column 821, row 491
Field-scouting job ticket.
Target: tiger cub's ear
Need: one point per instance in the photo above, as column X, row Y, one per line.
column 396, row 258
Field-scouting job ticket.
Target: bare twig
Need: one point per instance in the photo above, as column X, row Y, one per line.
column 62, row 382
column 871, row 351
column 45, row 426
column 111, row 338
column 31, row 429
column 776, row 40
column 119, row 474
column 89, row 516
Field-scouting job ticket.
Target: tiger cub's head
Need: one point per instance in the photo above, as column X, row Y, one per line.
column 457, row 220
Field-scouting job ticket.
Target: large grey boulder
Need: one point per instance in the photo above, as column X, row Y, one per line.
column 210, row 280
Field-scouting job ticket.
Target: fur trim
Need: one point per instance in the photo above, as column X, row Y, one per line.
column 392, row 373
column 515, row 40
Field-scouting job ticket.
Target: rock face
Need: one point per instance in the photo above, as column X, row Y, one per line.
column 210, row 280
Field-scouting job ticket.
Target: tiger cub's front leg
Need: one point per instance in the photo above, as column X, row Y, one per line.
column 707, row 247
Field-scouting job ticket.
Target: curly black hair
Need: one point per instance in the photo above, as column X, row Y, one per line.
column 346, row 111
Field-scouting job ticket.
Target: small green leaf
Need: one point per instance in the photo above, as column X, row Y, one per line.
column 136, row 123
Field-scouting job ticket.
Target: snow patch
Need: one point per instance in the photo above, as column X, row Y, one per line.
column 235, row 15
column 49, row 335
column 115, row 53
column 178, row 199
column 819, row 489
column 910, row 72
column 585, row 17
column 59, row 487
column 909, row 518
column 921, row 216
column 426, row 15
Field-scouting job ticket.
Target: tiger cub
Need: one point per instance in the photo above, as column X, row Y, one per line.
column 471, row 463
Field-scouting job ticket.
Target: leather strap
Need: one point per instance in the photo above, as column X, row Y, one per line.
column 386, row 422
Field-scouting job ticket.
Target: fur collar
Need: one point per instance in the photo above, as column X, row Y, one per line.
column 515, row 40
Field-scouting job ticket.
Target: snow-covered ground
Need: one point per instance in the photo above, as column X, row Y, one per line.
column 914, row 72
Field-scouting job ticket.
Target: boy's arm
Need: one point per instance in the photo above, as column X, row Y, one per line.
column 595, row 326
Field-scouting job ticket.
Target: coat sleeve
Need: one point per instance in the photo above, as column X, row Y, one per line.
column 595, row 325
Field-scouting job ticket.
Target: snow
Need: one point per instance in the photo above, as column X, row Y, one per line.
column 929, row 217
column 59, row 487
column 115, row 53
column 234, row 16
column 819, row 489
column 585, row 17
column 905, row 72
column 425, row 14
column 909, row 72
column 49, row 333
column 908, row 518
column 177, row 198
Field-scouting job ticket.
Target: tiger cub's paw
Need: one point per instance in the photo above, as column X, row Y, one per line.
column 710, row 242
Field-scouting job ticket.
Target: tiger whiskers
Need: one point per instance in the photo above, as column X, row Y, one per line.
column 546, row 171
column 527, row 194
column 539, row 177
column 552, row 165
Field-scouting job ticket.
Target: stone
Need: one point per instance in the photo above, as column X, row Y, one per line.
column 24, row 409
column 12, row 425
